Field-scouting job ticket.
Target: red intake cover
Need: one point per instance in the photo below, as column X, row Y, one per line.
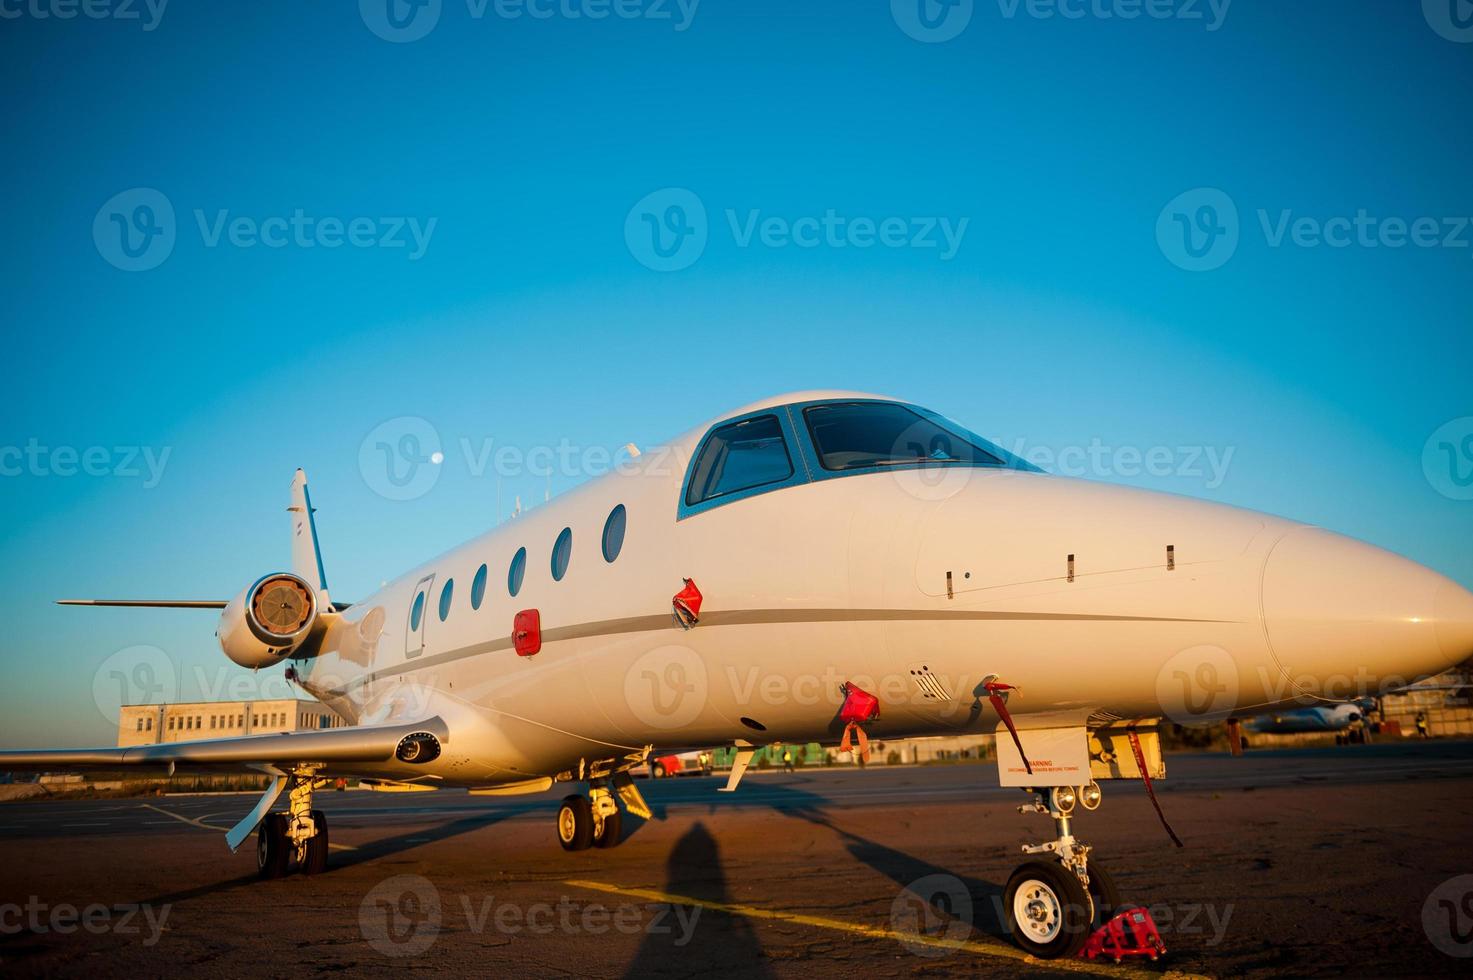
column 526, row 632
column 859, row 707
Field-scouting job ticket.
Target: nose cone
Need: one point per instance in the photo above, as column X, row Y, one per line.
column 1345, row 618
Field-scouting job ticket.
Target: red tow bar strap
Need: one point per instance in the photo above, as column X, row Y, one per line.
column 1140, row 760
column 859, row 735
column 994, row 691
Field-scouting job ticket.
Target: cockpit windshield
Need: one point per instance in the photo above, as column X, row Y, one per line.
column 859, row 435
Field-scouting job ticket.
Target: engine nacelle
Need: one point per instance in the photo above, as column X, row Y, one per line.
column 269, row 621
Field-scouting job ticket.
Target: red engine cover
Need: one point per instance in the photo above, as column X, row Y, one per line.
column 526, row 632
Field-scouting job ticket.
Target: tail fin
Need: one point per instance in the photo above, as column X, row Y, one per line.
column 306, row 555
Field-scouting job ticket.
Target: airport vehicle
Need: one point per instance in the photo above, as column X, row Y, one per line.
column 1316, row 718
column 811, row 566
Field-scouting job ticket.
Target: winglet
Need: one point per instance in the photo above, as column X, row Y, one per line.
column 306, row 555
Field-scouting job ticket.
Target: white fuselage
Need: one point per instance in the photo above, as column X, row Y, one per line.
column 846, row 580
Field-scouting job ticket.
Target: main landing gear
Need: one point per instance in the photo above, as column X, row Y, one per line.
column 297, row 837
column 1053, row 905
column 595, row 820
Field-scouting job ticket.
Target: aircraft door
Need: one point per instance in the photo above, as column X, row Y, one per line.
column 419, row 615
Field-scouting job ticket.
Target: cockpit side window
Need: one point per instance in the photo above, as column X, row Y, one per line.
column 861, row 435
column 740, row 456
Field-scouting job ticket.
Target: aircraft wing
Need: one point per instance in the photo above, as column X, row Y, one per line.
column 338, row 750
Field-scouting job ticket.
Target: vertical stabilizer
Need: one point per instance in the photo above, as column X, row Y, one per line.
column 306, row 556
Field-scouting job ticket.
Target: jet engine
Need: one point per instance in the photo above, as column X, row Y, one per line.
column 269, row 621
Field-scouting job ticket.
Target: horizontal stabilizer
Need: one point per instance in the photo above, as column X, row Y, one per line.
column 148, row 603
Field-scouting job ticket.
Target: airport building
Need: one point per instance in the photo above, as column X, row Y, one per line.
column 149, row 724
column 1445, row 701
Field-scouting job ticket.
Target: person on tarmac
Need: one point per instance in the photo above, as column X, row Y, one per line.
column 787, row 760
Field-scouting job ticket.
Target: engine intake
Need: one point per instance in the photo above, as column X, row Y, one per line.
column 269, row 621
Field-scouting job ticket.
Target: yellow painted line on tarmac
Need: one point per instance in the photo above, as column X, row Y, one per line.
column 973, row 946
column 209, row 826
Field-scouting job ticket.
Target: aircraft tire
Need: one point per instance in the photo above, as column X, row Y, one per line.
column 613, row 831
column 316, row 862
column 273, row 850
column 575, row 823
column 1048, row 913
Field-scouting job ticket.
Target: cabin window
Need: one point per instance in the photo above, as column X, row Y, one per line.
column 746, row 454
column 417, row 613
column 478, row 587
column 860, row 435
column 562, row 553
column 614, row 533
column 516, row 572
column 445, row 593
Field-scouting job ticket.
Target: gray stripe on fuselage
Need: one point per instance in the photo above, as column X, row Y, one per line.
column 747, row 617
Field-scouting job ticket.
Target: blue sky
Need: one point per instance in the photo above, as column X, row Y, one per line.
column 520, row 147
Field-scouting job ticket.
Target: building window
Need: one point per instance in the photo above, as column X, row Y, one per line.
column 614, row 533
column 562, row 552
column 516, row 572
column 140, row 724
column 445, row 594
column 478, row 587
column 149, row 726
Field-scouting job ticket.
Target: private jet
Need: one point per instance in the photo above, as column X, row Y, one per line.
column 821, row 566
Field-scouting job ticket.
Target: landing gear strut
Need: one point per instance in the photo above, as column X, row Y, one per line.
column 1053, row 905
column 299, row 835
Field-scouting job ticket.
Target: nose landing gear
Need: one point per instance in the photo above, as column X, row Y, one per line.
column 1052, row 906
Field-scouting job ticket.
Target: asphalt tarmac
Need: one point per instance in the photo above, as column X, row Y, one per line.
column 1313, row 862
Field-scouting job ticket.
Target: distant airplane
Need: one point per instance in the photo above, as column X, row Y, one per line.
column 812, row 567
